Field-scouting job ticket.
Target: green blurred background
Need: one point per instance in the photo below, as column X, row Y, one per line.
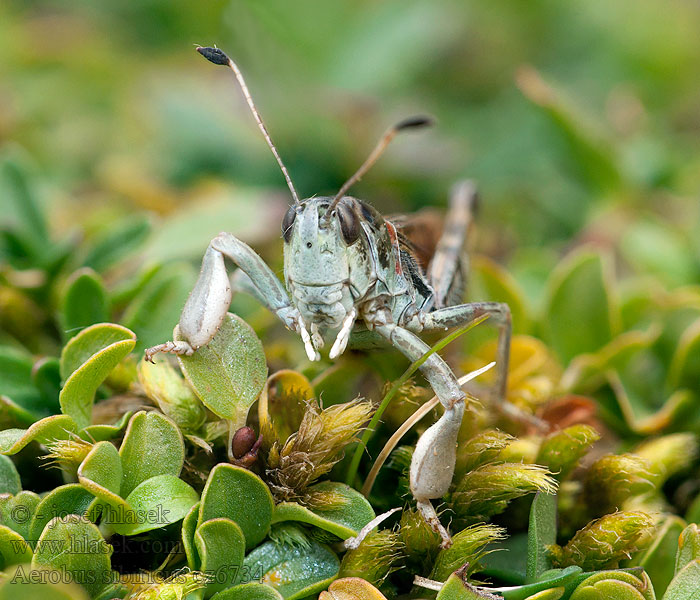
column 576, row 118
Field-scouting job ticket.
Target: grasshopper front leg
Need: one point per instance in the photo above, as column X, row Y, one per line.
column 433, row 462
column 210, row 298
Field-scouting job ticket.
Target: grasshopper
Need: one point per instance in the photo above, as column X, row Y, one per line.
column 348, row 270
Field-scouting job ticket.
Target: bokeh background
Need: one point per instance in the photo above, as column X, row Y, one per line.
column 579, row 120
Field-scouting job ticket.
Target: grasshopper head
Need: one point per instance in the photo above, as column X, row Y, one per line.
column 314, row 245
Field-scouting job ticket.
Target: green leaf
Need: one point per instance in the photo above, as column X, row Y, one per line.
column 580, row 315
column 351, row 588
column 113, row 591
column 688, row 547
column 659, row 558
column 222, row 495
column 684, row 369
column 506, row 560
column 295, row 572
column 587, row 155
column 248, row 591
column 586, row 372
column 490, row 281
column 87, row 360
column 9, row 477
column 229, row 373
column 89, row 342
column 550, row 594
column 542, row 532
column 643, row 418
column 158, row 305
column 57, row 427
column 84, row 302
column 18, row 202
column 11, row 414
column 74, row 546
column 651, row 246
column 17, row 384
column 348, row 513
column 686, row 584
column 455, row 588
column 189, row 526
column 118, row 241
column 46, row 375
column 69, row 499
column 14, row 549
column 614, row 584
column 155, row 503
column 183, row 234
column 221, row 546
column 16, row 512
column 282, row 404
column 101, row 474
column 102, row 432
column 163, row 384
column 152, row 445
column 27, row 584
column 548, row 579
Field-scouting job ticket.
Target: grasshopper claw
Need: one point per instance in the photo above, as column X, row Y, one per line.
column 178, row 348
column 426, row 509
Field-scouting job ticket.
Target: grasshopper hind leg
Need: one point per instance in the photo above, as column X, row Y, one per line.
column 449, row 265
column 447, row 273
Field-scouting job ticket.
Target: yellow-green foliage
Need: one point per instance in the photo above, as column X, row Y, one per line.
column 486, row 490
column 375, row 558
column 561, row 451
column 603, row 543
column 468, row 546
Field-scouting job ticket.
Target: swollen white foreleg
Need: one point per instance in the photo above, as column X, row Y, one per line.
column 210, row 298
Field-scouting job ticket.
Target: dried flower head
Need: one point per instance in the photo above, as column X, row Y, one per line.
column 67, row 454
column 313, row 450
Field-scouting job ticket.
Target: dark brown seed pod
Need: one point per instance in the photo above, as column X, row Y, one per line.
column 243, row 441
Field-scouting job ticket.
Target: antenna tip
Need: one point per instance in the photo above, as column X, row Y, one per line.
column 415, row 122
column 214, row 55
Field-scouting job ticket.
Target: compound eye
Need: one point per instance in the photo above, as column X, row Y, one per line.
column 349, row 224
column 287, row 223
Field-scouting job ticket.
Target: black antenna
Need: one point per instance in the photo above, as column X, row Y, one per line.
column 390, row 134
column 218, row 57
